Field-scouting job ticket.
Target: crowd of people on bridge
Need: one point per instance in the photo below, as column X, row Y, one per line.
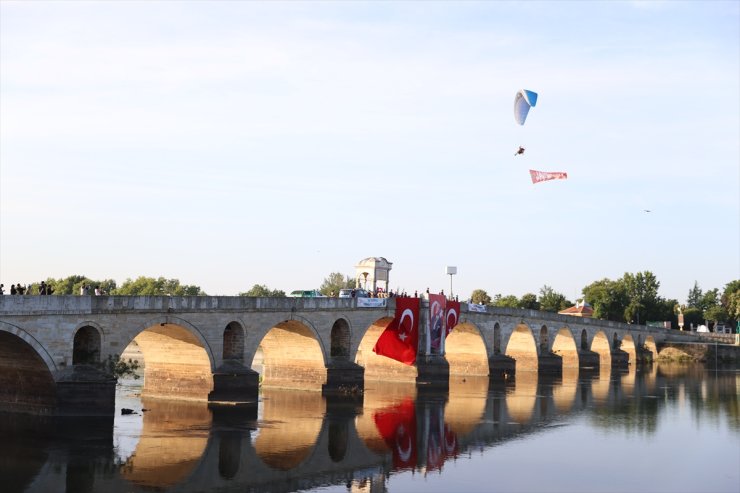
column 20, row 289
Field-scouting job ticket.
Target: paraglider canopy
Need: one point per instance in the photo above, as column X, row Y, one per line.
column 523, row 100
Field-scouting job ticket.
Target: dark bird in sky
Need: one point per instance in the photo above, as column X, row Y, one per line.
column 647, row 210
column 519, row 151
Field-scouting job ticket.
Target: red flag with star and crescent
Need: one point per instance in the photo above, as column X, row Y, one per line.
column 400, row 339
column 452, row 316
column 397, row 425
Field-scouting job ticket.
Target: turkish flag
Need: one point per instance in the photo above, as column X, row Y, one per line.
column 452, row 315
column 399, row 341
column 538, row 176
column 397, row 426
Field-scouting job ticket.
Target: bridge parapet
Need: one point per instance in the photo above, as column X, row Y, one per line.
column 70, row 304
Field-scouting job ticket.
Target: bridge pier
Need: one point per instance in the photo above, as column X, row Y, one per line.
column 620, row 359
column 233, row 382
column 501, row 366
column 588, row 359
column 643, row 355
column 549, row 363
column 343, row 377
column 85, row 391
column 432, row 372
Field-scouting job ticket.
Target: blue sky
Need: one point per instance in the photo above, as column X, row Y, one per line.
column 233, row 143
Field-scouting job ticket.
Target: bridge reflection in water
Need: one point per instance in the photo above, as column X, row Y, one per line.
column 297, row 440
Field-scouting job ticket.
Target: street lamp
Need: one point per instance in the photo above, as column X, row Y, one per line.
column 451, row 271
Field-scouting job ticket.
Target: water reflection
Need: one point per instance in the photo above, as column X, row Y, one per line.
column 301, row 441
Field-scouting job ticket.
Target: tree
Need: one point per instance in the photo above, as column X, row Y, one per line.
column 334, row 282
column 731, row 299
column 608, row 299
column 149, row 286
column 509, row 301
column 642, row 292
column 716, row 314
column 72, row 284
column 693, row 300
column 552, row 301
column 262, row 291
column 480, row 297
column 528, row 301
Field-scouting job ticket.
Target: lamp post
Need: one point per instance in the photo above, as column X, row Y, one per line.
column 451, row 271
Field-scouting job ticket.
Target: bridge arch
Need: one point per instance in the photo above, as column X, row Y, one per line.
column 650, row 345
column 600, row 345
column 522, row 347
column 564, row 346
column 628, row 346
column 178, row 361
column 26, row 382
column 293, row 356
column 496, row 338
column 32, row 342
column 380, row 367
column 465, row 350
column 340, row 340
column 233, row 341
column 543, row 346
column 86, row 345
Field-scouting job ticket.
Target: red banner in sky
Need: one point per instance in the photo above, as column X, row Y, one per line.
column 452, row 315
column 538, row 176
column 400, row 339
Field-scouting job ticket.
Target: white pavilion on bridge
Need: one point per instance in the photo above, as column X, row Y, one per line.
column 372, row 274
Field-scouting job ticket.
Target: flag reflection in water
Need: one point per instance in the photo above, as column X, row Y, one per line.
column 417, row 438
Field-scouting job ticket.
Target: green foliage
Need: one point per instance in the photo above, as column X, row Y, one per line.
column 334, row 282
column 529, row 302
column 731, row 299
column 608, row 299
column 149, row 286
column 480, row 297
column 262, row 291
column 716, row 313
column 72, row 285
column 693, row 300
column 692, row 316
column 117, row 367
column 509, row 301
column 552, row 301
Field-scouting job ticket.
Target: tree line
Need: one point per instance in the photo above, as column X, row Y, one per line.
column 633, row 298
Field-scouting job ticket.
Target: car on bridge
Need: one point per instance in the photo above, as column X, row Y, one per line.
column 359, row 293
column 306, row 293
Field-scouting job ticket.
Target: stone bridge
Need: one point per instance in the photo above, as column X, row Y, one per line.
column 219, row 348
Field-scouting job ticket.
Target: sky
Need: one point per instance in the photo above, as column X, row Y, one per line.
column 227, row 144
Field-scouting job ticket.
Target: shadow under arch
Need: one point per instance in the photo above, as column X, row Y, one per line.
column 340, row 340
column 650, row 345
column 31, row 341
column 292, row 357
column 628, row 346
column 177, row 361
column 233, row 342
column 381, row 367
column 86, row 345
column 522, row 347
column 564, row 346
column 466, row 351
column 292, row 425
column 26, row 383
column 600, row 345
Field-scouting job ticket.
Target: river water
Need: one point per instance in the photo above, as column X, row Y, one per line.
column 655, row 429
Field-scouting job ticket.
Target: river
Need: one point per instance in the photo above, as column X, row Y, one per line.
column 663, row 428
